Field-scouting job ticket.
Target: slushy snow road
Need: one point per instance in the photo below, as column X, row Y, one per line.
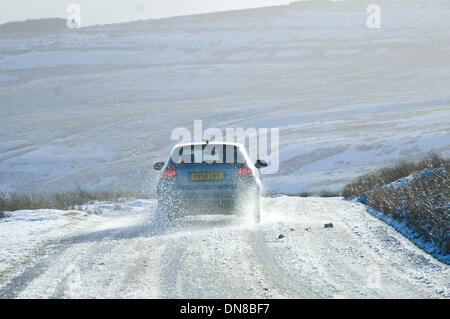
column 137, row 255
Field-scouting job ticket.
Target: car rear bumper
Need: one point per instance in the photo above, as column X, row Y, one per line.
column 197, row 205
column 223, row 197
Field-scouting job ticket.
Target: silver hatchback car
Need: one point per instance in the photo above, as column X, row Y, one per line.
column 209, row 178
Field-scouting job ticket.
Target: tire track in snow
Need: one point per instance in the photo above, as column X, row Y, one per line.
column 20, row 282
column 274, row 275
column 170, row 284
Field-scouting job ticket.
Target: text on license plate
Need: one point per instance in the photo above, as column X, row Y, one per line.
column 207, row 176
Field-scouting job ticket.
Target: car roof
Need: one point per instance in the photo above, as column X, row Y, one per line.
column 209, row 143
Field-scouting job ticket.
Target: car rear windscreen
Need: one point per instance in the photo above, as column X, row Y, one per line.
column 207, row 154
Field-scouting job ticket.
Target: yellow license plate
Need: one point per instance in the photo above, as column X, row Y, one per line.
column 207, row 176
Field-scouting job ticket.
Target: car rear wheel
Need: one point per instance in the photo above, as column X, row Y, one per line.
column 250, row 207
column 168, row 212
column 257, row 210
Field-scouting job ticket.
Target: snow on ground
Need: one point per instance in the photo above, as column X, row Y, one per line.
column 24, row 233
column 134, row 255
column 96, row 106
column 402, row 227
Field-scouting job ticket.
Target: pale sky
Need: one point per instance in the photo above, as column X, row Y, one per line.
column 112, row 11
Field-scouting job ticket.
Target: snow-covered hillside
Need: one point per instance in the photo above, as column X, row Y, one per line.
column 96, row 106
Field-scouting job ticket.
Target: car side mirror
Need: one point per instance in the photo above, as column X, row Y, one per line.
column 158, row 165
column 260, row 163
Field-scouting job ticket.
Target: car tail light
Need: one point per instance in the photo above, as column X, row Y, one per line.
column 170, row 172
column 245, row 171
